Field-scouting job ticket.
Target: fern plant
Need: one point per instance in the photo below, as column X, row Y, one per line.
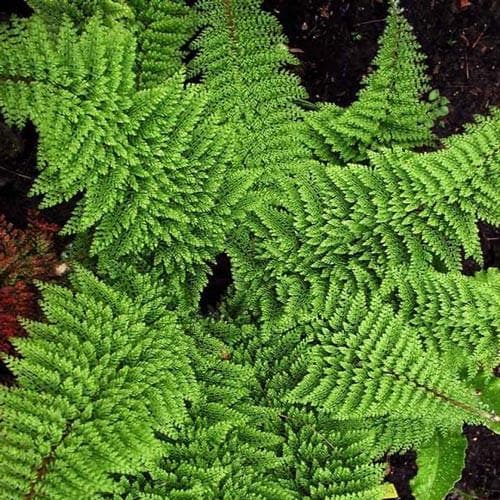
column 339, row 225
column 240, row 58
column 350, row 331
column 161, row 29
column 147, row 158
column 96, row 380
column 396, row 106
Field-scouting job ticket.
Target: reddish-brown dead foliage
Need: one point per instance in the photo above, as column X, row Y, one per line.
column 25, row 255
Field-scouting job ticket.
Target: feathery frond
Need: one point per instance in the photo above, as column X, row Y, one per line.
column 241, row 58
column 96, row 382
column 151, row 164
column 395, row 107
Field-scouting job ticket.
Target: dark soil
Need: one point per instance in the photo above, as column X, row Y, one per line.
column 400, row 470
column 18, row 150
column 335, row 40
column 481, row 477
column 18, row 8
column 218, row 282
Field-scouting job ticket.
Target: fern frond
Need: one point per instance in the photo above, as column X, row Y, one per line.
column 244, row 440
column 331, row 460
column 241, row 57
column 324, row 457
column 77, row 90
column 151, row 164
column 457, row 314
column 446, row 192
column 79, row 11
column 369, row 363
column 331, row 227
column 163, row 28
column 225, row 449
column 391, row 109
column 95, row 385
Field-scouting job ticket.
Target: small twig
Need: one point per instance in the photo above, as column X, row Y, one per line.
column 466, row 66
column 465, row 39
column 478, row 38
column 370, row 22
column 16, row 173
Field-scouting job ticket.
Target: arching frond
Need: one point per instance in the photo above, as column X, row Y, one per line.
column 96, row 382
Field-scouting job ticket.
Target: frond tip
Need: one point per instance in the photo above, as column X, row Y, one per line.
column 395, row 107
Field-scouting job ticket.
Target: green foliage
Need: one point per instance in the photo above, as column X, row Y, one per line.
column 369, row 363
column 149, row 163
column 77, row 90
column 487, row 387
column 390, row 110
column 350, row 331
column 224, row 449
column 458, row 315
column 244, row 442
column 325, row 458
column 97, row 380
column 162, row 29
column 338, row 226
column 54, row 11
column 241, row 56
column 439, row 467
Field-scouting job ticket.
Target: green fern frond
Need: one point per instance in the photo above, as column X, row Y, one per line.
column 151, row 164
column 369, row 363
column 331, row 460
column 396, row 434
column 324, row 458
column 225, row 449
column 241, row 56
column 458, row 315
column 245, row 441
column 79, row 11
column 77, row 90
column 391, row 109
column 96, row 382
column 331, row 227
column 163, row 28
